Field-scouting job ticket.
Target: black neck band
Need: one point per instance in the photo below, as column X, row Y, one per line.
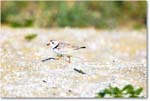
column 56, row 46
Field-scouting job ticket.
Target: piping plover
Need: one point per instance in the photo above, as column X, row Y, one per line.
column 63, row 49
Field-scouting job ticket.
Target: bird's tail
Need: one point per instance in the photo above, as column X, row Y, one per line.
column 80, row 47
column 83, row 47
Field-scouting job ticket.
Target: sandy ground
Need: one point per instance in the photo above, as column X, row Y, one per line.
column 116, row 57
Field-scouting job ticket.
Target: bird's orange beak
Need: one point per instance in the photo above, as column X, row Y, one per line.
column 48, row 44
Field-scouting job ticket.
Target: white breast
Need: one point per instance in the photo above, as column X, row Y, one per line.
column 62, row 52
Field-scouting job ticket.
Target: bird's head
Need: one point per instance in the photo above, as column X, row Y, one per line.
column 53, row 43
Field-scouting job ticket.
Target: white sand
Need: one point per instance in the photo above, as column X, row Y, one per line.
column 116, row 57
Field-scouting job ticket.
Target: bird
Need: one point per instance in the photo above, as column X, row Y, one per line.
column 62, row 49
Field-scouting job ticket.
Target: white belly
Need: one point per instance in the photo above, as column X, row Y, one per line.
column 62, row 52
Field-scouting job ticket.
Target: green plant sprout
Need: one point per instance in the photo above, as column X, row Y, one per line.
column 127, row 91
column 30, row 36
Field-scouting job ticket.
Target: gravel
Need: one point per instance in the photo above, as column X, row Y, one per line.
column 116, row 57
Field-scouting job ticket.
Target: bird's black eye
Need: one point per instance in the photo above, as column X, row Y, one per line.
column 52, row 42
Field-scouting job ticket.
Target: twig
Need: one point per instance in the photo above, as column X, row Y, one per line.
column 79, row 71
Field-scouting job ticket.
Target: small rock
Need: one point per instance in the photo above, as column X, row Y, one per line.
column 69, row 90
column 44, row 81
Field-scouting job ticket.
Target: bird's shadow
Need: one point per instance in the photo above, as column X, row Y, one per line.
column 51, row 58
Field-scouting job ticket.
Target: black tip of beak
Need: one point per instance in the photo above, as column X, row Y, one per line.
column 48, row 44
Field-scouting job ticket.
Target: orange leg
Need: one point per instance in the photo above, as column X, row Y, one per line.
column 58, row 57
column 69, row 59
